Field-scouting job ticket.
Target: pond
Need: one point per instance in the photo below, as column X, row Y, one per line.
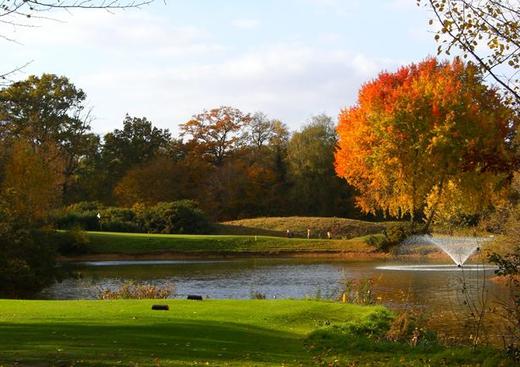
column 432, row 289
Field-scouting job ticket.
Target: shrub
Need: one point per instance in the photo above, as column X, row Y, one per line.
column 119, row 220
column 376, row 241
column 258, row 295
column 133, row 290
column 71, row 219
column 120, row 226
column 82, row 215
column 176, row 217
column 409, row 327
column 359, row 291
column 27, row 261
column 73, row 242
column 373, row 326
column 394, row 235
column 86, row 206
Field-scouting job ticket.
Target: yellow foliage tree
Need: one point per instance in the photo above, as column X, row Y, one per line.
column 33, row 180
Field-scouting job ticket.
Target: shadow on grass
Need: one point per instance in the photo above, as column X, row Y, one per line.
column 173, row 341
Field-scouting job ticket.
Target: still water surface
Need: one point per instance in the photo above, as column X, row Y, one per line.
column 277, row 278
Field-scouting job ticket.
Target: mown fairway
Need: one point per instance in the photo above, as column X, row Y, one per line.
column 129, row 332
column 215, row 333
column 135, row 243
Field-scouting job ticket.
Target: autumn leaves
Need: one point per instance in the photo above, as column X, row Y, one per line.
column 429, row 141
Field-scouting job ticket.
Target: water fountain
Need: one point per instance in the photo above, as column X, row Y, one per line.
column 458, row 248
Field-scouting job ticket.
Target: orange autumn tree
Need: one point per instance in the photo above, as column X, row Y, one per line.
column 430, row 140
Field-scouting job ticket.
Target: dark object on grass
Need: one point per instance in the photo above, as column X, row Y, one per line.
column 194, row 297
column 161, row 307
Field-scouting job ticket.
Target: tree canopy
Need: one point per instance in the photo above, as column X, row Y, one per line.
column 217, row 132
column 428, row 134
column 48, row 110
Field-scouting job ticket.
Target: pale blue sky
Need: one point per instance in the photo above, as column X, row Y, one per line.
column 288, row 58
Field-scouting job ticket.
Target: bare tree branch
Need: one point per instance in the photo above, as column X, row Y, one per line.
column 22, row 13
column 6, row 78
column 486, row 30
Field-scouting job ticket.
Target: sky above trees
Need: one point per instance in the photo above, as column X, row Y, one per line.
column 289, row 59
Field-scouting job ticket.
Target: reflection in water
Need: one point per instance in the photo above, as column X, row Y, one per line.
column 435, row 267
column 437, row 292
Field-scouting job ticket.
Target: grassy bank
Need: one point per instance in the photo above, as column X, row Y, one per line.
column 135, row 243
column 319, row 226
column 232, row 333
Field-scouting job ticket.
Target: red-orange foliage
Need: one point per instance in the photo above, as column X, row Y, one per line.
column 217, row 132
column 420, row 131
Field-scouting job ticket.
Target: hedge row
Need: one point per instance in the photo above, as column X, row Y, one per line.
column 175, row 217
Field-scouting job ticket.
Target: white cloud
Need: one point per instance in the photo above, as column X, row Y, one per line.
column 289, row 82
column 245, row 23
column 137, row 31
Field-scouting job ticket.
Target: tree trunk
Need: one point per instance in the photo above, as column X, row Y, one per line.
column 434, row 207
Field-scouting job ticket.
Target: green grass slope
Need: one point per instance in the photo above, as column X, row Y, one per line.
column 136, row 243
column 208, row 333
column 278, row 226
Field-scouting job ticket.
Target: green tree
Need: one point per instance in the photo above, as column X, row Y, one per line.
column 137, row 143
column 151, row 183
column 259, row 130
column 48, row 110
column 310, row 155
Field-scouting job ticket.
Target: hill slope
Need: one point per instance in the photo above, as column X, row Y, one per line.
column 319, row 226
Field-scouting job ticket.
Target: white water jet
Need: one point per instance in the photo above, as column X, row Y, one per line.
column 459, row 249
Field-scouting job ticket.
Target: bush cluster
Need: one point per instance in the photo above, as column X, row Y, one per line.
column 72, row 242
column 394, row 235
column 174, row 217
column 409, row 327
column 135, row 290
column 27, row 262
column 358, row 291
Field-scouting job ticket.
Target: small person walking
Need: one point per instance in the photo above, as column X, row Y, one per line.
column 329, row 235
column 308, row 233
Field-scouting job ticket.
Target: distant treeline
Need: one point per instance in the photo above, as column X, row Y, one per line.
column 234, row 164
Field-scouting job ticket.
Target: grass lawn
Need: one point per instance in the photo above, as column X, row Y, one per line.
column 136, row 243
column 211, row 332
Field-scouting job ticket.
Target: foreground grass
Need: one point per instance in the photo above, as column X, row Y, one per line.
column 319, row 226
column 232, row 333
column 137, row 243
